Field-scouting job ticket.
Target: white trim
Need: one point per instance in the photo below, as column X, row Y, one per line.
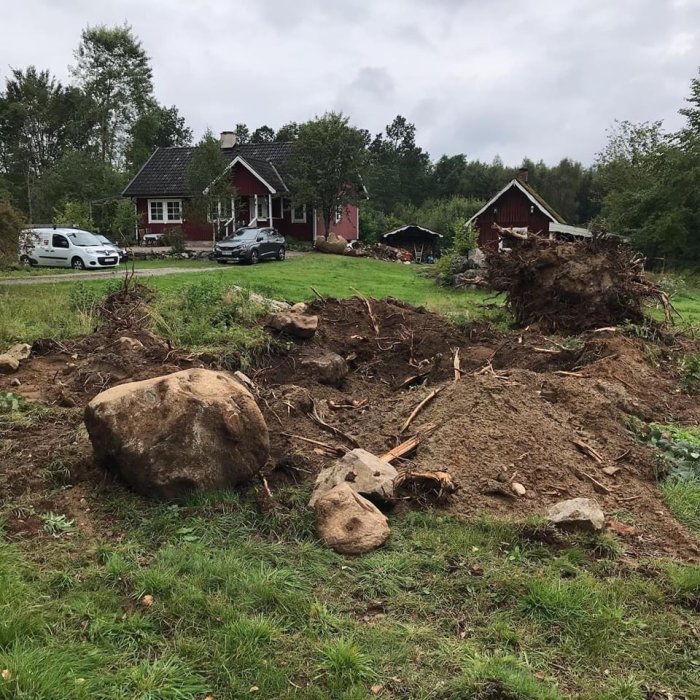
column 519, row 185
column 403, row 228
column 296, row 220
column 164, row 202
column 315, row 224
column 252, row 171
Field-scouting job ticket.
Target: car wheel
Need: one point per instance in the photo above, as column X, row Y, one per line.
column 254, row 257
column 281, row 253
column 77, row 263
column 26, row 261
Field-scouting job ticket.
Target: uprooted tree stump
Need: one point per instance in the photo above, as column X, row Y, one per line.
column 573, row 286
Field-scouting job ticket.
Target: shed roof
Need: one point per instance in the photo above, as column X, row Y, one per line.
column 409, row 227
column 165, row 172
column 531, row 194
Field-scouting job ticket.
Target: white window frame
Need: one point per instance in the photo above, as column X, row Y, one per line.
column 262, row 208
column 164, row 204
column 339, row 214
column 295, row 218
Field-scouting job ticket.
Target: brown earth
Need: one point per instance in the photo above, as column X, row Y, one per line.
column 522, row 400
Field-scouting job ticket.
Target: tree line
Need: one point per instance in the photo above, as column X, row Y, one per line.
column 67, row 151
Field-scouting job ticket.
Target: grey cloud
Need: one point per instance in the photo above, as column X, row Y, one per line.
column 541, row 79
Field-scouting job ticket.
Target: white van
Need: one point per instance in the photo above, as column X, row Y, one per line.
column 65, row 247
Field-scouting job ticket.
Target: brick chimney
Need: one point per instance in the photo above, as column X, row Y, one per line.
column 523, row 174
column 228, row 139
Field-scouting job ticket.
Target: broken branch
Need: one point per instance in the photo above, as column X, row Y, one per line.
column 588, row 451
column 419, row 408
column 456, row 366
column 409, row 445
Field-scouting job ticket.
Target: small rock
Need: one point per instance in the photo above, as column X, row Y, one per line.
column 147, row 601
column 298, row 325
column 363, row 472
column 518, row 489
column 8, row 364
column 299, row 308
column 20, row 351
column 327, row 367
column 577, row 514
column 15, row 382
column 128, row 342
column 349, row 523
column 610, row 471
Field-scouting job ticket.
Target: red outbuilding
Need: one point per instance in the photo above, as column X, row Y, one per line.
column 518, row 205
column 257, row 172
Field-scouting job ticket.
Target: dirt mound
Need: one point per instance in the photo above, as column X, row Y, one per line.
column 572, row 286
column 523, row 407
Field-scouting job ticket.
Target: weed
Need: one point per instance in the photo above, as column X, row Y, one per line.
column 56, row 524
column 57, row 471
column 689, row 367
column 684, row 582
column 499, row 678
column 343, row 664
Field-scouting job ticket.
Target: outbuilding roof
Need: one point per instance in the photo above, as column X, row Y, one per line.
column 411, row 228
column 164, row 174
column 531, row 194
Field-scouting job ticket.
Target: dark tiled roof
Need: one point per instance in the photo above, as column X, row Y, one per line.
column 165, row 173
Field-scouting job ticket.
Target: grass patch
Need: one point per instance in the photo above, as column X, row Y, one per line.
column 241, row 601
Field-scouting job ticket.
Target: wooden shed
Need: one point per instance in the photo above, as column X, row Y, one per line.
column 420, row 241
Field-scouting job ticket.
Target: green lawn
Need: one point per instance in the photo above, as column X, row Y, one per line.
column 209, row 598
column 41, row 310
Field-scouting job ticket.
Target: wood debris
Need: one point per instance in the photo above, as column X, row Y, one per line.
column 588, row 451
column 419, row 408
column 407, row 446
column 425, row 486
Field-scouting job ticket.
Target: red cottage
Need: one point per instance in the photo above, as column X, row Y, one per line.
column 517, row 204
column 257, row 171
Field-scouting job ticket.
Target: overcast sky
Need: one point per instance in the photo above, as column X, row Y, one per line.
column 542, row 78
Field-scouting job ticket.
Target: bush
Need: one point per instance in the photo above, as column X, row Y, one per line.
column 175, row 238
column 11, row 224
column 74, row 214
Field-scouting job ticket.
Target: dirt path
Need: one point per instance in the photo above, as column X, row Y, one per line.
column 104, row 274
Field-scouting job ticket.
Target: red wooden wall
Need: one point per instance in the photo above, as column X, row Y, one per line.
column 512, row 209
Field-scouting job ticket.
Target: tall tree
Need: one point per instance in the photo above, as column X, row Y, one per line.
column 209, row 182
column 287, row 132
column 39, row 120
column 327, row 163
column 114, row 71
column 242, row 133
column 156, row 127
column 263, row 134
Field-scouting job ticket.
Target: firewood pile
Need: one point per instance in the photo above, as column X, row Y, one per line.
column 572, row 286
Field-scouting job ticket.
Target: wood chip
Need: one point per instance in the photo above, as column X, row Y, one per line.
column 588, row 451
column 409, row 445
column 597, row 486
column 456, row 366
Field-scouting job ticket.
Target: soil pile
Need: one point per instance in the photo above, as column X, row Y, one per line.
column 528, row 408
column 572, row 286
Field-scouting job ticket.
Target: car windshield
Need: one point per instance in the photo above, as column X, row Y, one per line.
column 104, row 239
column 83, row 238
column 244, row 234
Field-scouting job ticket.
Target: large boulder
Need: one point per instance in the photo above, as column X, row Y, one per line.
column 333, row 244
column 363, row 472
column 583, row 514
column 8, row 364
column 193, row 430
column 327, row 367
column 298, row 325
column 349, row 523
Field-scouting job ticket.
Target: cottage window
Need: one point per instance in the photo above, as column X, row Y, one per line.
column 162, row 211
column 299, row 214
column 156, row 212
column 263, row 210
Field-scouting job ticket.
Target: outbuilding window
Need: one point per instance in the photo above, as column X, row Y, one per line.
column 162, row 211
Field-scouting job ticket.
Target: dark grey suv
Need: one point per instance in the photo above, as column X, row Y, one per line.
column 251, row 245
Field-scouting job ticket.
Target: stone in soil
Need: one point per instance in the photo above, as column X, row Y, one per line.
column 327, row 367
column 363, row 472
column 295, row 324
column 582, row 514
column 193, row 430
column 349, row 523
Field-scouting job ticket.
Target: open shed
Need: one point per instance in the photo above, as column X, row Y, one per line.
column 418, row 240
